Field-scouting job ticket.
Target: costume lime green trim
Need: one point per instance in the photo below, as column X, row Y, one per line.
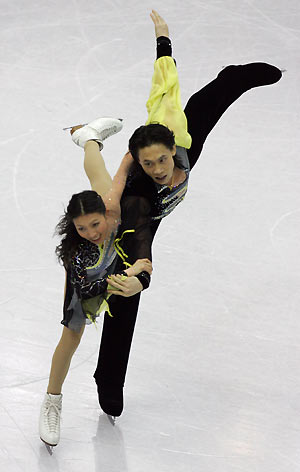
column 164, row 103
column 91, row 306
column 118, row 248
column 101, row 250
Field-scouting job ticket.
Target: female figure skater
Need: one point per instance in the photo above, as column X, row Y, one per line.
column 88, row 251
column 160, row 174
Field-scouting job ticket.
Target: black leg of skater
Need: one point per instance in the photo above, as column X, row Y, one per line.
column 118, row 331
column 205, row 108
column 114, row 353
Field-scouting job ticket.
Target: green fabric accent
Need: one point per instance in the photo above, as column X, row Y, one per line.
column 93, row 307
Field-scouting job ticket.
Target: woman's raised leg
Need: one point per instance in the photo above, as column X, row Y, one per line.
column 95, row 169
column 90, row 137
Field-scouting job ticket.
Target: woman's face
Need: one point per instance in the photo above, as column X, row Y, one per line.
column 157, row 162
column 92, row 226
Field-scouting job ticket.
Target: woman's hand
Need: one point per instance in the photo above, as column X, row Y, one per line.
column 161, row 27
column 128, row 157
column 124, row 288
column 127, row 162
column 139, row 266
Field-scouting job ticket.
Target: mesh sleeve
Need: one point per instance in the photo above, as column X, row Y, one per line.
column 136, row 215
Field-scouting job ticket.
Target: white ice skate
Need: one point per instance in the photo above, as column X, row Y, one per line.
column 49, row 425
column 98, row 130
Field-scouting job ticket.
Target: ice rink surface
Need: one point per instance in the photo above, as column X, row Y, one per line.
column 213, row 379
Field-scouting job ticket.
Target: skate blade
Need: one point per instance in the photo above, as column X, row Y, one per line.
column 85, row 124
column 112, row 419
column 70, row 127
column 49, row 447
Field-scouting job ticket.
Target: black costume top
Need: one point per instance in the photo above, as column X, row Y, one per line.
column 162, row 199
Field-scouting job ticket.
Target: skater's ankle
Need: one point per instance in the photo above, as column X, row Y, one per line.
column 92, row 143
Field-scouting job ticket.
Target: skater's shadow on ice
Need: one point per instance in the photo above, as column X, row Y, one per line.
column 109, row 447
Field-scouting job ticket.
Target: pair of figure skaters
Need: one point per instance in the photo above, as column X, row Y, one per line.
column 114, row 223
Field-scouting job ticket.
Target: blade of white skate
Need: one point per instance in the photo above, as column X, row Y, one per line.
column 49, row 448
column 70, row 127
column 112, row 419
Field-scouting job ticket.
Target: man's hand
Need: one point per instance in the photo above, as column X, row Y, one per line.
column 124, row 288
column 161, row 27
column 139, row 266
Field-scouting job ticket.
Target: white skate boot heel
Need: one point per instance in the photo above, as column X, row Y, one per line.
column 84, row 134
column 49, row 425
column 98, row 130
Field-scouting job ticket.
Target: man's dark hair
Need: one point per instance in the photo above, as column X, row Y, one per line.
column 147, row 135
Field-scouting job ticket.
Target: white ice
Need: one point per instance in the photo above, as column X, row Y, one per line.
column 213, row 381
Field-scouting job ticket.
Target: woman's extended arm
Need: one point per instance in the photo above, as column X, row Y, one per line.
column 119, row 180
column 112, row 198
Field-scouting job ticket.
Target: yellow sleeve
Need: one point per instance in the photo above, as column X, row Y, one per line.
column 164, row 103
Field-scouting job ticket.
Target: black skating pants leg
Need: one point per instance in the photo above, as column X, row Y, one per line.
column 205, row 108
column 115, row 347
column 116, row 341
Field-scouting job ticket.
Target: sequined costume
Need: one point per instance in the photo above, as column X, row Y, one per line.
column 86, row 282
column 86, row 286
column 202, row 111
column 86, row 289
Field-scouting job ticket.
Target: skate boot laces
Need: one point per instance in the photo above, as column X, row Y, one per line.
column 52, row 415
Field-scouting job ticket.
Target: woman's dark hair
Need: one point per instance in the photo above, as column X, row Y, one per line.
column 146, row 135
column 82, row 203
